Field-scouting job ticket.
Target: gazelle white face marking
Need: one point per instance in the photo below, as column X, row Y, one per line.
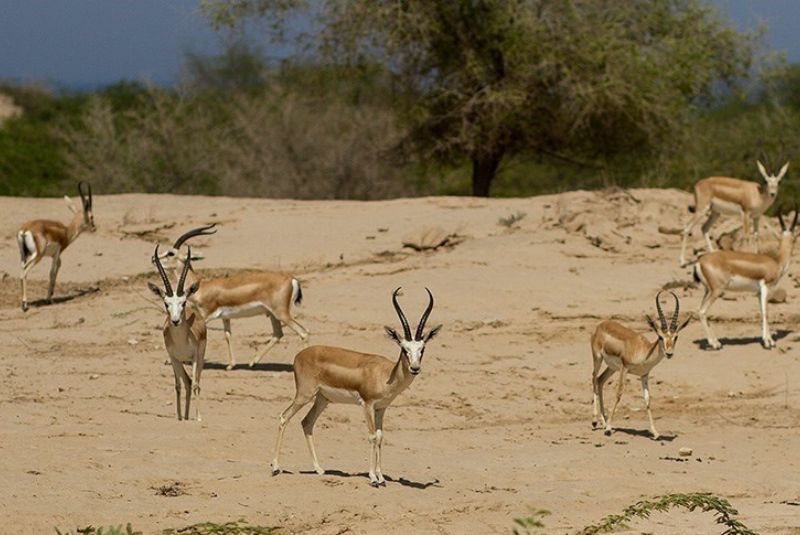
column 413, row 350
column 175, row 305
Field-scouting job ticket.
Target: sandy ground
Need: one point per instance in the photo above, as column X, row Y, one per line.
column 497, row 423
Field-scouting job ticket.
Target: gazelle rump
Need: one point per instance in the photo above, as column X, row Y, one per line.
column 324, row 375
column 723, row 195
column 736, row 271
column 626, row 351
column 184, row 337
column 270, row 293
column 43, row 237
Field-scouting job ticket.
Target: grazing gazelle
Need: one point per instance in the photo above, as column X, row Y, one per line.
column 626, row 351
column 324, row 374
column 43, row 237
column 241, row 296
column 184, row 337
column 722, row 195
column 744, row 272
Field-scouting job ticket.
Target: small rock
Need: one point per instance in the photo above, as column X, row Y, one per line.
column 93, row 376
column 685, row 452
column 132, row 341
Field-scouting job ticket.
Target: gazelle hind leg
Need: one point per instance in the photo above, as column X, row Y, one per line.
column 708, row 299
column 766, row 335
column 308, row 428
column 277, row 334
column 26, row 268
column 298, row 403
column 622, row 373
column 646, row 396
column 601, row 381
column 226, row 325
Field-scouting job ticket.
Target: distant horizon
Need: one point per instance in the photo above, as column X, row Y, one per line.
column 83, row 45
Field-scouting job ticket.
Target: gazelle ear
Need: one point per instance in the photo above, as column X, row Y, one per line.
column 155, row 289
column 761, row 169
column 651, row 323
column 193, row 288
column 783, row 170
column 70, row 204
column 433, row 332
column 391, row 333
column 684, row 324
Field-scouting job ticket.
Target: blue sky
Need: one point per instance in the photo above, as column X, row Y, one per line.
column 84, row 43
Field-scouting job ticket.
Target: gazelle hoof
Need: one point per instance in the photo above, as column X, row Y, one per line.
column 320, row 471
column 229, row 367
column 276, row 471
column 656, row 436
column 375, row 484
column 24, row 307
column 607, row 432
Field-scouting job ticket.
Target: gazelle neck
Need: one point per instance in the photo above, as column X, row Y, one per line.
column 75, row 227
column 400, row 377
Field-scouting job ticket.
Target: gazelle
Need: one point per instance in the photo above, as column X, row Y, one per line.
column 744, row 272
column 184, row 337
column 325, row 375
column 43, row 237
column 626, row 351
column 722, row 195
column 242, row 296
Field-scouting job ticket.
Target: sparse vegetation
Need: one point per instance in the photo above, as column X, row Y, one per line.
column 239, row 527
column 724, row 514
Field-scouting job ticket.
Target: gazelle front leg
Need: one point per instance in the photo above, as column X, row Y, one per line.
column 226, row 325
column 369, row 413
column 622, row 372
column 54, row 267
column 646, row 396
column 379, row 432
column 687, row 231
column 600, row 404
column 766, row 335
column 180, row 376
column 197, row 369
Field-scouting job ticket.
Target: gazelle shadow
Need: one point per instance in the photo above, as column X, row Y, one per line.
column 644, row 433
column 260, row 367
column 402, row 481
column 63, row 298
column 776, row 335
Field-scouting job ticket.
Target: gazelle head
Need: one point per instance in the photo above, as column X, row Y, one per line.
column 174, row 302
column 85, row 191
column 174, row 251
column 412, row 348
column 788, row 231
column 772, row 181
column 667, row 334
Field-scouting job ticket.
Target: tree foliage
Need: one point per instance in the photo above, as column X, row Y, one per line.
column 493, row 78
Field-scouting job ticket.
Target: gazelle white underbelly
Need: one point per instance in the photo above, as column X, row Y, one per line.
column 725, row 207
column 742, row 284
column 340, row 395
column 242, row 311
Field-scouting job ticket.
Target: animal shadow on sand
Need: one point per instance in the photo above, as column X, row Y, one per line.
column 644, row 433
column 63, row 298
column 402, row 481
column 776, row 335
column 260, row 367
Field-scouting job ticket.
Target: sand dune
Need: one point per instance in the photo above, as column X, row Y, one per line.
column 498, row 422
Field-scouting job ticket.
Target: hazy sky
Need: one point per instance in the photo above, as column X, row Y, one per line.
column 83, row 43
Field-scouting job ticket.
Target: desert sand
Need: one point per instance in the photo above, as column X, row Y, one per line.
column 497, row 423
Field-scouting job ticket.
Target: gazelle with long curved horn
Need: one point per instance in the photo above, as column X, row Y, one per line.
column 626, row 351
column 324, row 375
column 723, row 195
column 43, row 237
column 736, row 271
column 240, row 296
column 184, row 336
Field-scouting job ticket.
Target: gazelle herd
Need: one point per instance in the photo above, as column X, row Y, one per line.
column 326, row 374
